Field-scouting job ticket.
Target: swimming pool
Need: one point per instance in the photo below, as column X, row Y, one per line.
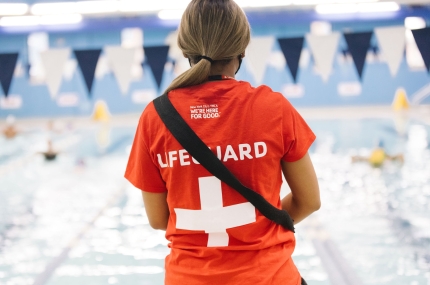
column 77, row 221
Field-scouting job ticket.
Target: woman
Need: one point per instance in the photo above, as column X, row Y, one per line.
column 255, row 132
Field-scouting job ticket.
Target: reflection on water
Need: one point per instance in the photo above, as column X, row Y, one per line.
column 63, row 223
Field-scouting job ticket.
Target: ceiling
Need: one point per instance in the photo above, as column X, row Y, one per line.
column 147, row 12
column 297, row 2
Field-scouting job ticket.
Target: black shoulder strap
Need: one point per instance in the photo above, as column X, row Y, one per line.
column 198, row 149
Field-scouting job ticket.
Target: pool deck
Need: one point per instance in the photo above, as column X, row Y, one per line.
column 419, row 113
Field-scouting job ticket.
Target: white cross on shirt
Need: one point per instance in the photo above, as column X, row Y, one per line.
column 213, row 218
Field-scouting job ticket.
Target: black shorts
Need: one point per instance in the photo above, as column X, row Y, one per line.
column 304, row 282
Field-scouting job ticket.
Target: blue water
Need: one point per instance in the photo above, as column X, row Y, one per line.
column 77, row 221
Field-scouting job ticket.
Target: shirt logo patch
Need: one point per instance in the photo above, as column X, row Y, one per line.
column 204, row 112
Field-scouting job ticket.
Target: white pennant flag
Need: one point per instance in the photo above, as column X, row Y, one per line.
column 323, row 49
column 121, row 62
column 392, row 41
column 181, row 63
column 257, row 55
column 54, row 61
column 172, row 41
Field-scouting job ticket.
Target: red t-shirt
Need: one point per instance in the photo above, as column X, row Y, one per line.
column 216, row 236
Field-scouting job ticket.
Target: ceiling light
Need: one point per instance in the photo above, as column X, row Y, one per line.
column 53, row 8
column 170, row 14
column 13, row 9
column 134, row 6
column 336, row 8
column 40, row 20
column 378, row 7
column 309, row 2
column 61, row 19
column 157, row 5
column 97, row 7
column 19, row 21
column 259, row 3
column 357, row 8
column 414, row 23
column 351, row 1
column 138, row 6
column 317, row 2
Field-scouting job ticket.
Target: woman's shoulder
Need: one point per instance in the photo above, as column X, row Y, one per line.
column 264, row 92
column 149, row 110
column 149, row 117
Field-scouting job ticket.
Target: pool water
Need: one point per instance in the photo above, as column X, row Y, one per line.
column 77, row 221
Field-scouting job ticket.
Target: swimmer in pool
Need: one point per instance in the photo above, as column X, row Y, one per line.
column 10, row 131
column 378, row 157
column 50, row 154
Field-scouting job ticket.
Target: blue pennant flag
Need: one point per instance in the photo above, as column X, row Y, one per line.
column 156, row 58
column 422, row 38
column 7, row 69
column 292, row 49
column 87, row 60
column 358, row 45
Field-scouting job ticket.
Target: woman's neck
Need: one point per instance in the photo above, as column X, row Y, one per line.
column 225, row 69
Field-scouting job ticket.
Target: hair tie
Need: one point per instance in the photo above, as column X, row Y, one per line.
column 207, row 58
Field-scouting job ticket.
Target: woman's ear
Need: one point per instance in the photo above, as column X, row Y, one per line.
column 243, row 54
column 186, row 56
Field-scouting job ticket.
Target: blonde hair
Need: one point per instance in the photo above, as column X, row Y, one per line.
column 217, row 29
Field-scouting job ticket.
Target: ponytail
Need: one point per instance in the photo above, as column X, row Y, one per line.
column 197, row 74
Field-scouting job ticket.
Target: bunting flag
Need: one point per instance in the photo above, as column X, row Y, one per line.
column 179, row 62
column 7, row 68
column 323, row 49
column 156, row 58
column 87, row 61
column 70, row 69
column 358, row 45
column 392, row 42
column 121, row 61
column 102, row 68
column 422, row 38
column 257, row 53
column 292, row 49
column 277, row 60
column 54, row 62
column 19, row 69
column 175, row 52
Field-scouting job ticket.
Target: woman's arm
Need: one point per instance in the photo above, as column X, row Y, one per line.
column 156, row 209
column 304, row 198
